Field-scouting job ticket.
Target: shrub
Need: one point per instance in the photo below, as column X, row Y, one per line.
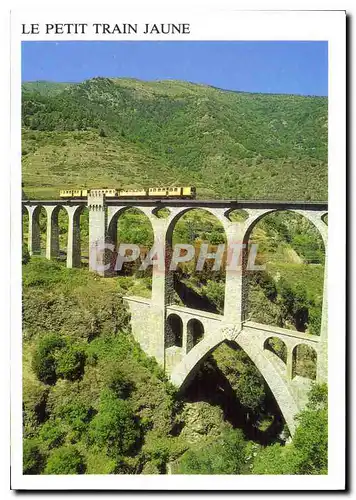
column 70, row 362
column 44, row 358
column 33, row 458
column 311, row 436
column 114, row 427
column 115, row 380
column 34, row 399
column 52, row 434
column 65, row 460
column 25, row 254
column 225, row 456
column 308, row 452
column 274, row 459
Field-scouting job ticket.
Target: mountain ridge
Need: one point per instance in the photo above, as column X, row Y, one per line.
column 229, row 144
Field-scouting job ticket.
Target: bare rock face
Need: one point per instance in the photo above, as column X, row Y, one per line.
column 201, row 420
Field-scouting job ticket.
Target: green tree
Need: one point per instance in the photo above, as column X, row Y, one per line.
column 65, row 460
column 34, row 405
column 114, row 428
column 308, row 452
column 115, row 380
column 311, row 437
column 225, row 456
column 33, row 458
column 44, row 358
column 70, row 362
column 52, row 433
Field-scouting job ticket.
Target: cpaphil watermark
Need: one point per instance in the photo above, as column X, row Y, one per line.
column 105, row 257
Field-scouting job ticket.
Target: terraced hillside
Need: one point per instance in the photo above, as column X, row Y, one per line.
column 131, row 133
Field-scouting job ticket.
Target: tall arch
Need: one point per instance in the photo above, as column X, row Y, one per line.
column 306, row 318
column 57, row 232
column 202, row 228
column 37, row 225
column 24, row 224
column 131, row 225
column 74, row 249
column 84, row 235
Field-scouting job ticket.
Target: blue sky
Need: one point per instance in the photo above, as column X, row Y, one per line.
column 272, row 67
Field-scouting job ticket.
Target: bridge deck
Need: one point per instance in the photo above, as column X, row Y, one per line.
column 265, row 204
column 194, row 312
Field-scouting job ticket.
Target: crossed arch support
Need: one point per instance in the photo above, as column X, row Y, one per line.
column 290, row 392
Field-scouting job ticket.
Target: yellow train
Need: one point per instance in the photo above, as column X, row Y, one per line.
column 153, row 192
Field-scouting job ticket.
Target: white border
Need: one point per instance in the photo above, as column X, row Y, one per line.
column 212, row 24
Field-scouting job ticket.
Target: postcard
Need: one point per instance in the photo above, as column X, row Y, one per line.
column 178, row 247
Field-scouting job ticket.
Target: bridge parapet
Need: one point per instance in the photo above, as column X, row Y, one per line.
column 290, row 337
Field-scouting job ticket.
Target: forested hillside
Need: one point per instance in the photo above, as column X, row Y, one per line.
column 94, row 403
column 130, row 133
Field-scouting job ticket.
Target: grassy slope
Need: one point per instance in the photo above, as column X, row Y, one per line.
column 228, row 144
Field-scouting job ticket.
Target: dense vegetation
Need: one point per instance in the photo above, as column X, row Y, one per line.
column 88, row 409
column 131, row 133
column 93, row 401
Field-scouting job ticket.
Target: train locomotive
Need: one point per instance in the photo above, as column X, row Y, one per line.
column 183, row 192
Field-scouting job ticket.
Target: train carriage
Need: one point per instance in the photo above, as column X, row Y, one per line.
column 132, row 193
column 152, row 192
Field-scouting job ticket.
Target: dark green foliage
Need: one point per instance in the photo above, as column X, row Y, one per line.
column 114, row 428
column 25, row 254
column 243, row 376
column 250, row 388
column 54, row 357
column 34, row 405
column 33, row 458
column 308, row 452
column 65, row 460
column 116, row 380
column 52, row 434
column 44, row 358
column 70, row 362
column 311, row 437
column 70, row 404
column 226, row 455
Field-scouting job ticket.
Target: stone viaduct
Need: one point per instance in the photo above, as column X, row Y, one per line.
column 178, row 337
